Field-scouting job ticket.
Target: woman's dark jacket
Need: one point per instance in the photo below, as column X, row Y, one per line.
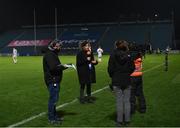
column 120, row 66
column 86, row 74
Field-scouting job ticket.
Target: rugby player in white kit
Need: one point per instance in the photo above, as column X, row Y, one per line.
column 14, row 56
column 99, row 51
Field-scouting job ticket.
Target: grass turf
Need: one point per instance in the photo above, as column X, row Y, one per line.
column 23, row 94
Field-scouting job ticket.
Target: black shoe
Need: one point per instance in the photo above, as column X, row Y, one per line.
column 126, row 123
column 89, row 100
column 54, row 122
column 119, row 124
column 142, row 111
column 59, row 119
column 82, row 100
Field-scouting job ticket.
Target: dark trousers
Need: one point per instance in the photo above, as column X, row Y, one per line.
column 137, row 94
column 88, row 90
column 53, row 99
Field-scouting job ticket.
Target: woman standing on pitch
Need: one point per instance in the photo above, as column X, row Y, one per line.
column 86, row 71
column 120, row 67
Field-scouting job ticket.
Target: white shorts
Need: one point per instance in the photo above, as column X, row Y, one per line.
column 99, row 56
column 14, row 56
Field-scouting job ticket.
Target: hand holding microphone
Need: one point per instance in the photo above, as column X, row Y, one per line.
column 94, row 62
column 89, row 54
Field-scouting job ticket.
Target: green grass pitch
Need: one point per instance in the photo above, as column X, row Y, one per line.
column 23, row 94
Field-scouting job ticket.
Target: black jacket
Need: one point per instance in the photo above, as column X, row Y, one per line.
column 52, row 67
column 85, row 74
column 120, row 67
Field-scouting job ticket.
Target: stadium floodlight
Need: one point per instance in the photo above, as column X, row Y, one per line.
column 35, row 49
column 56, row 24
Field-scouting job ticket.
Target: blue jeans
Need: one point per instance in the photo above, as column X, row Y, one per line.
column 53, row 99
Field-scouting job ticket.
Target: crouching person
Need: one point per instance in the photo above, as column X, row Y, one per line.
column 120, row 67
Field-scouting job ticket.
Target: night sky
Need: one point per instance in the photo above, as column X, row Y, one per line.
column 15, row 13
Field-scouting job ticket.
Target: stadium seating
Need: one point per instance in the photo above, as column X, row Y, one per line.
column 158, row 34
column 9, row 36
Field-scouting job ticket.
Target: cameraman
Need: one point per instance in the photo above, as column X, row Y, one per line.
column 53, row 72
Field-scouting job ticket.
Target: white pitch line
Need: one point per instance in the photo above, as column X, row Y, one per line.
column 27, row 120
column 66, row 104
column 99, row 90
column 43, row 113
